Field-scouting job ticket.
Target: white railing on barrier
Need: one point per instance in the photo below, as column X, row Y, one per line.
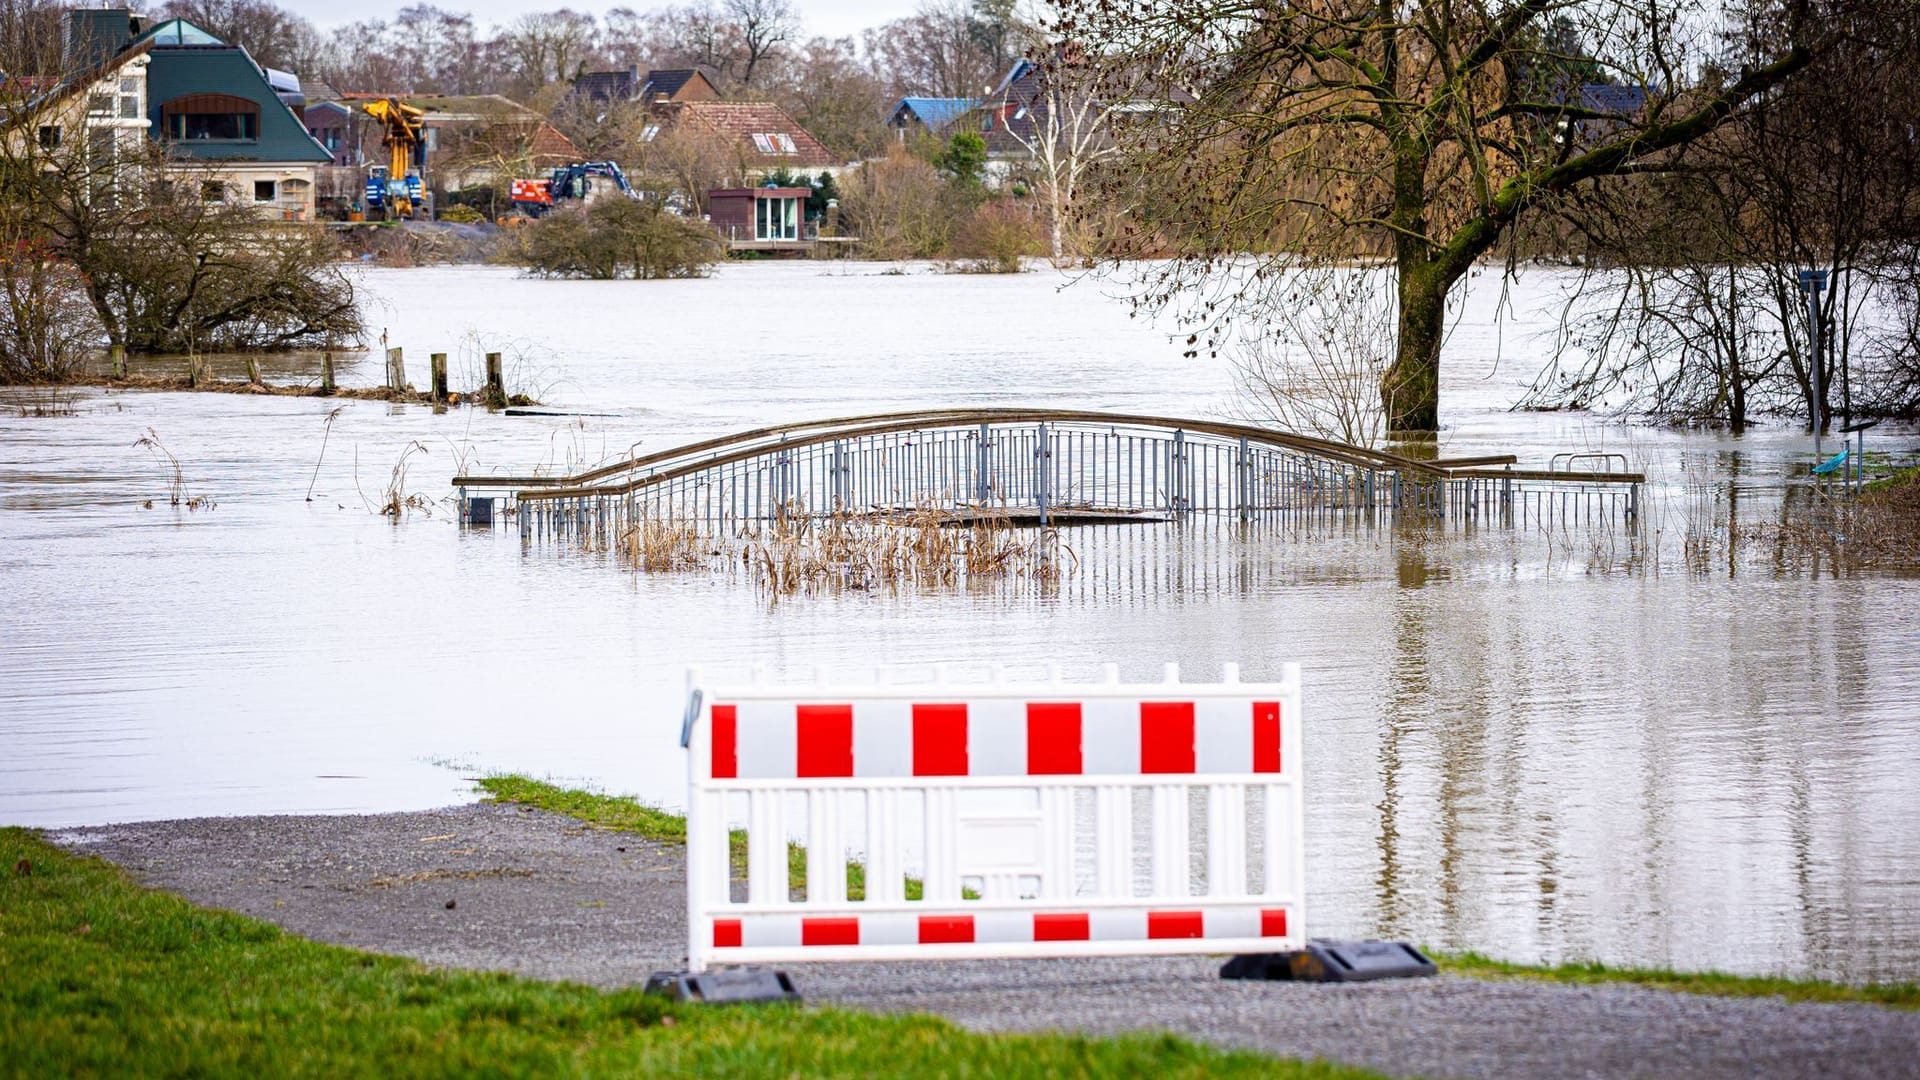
column 995, row 819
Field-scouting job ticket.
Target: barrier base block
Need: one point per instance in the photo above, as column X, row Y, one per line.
column 1335, row 961
column 725, row 986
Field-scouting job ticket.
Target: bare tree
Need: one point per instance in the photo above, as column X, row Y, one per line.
column 1065, row 124
column 765, row 27
column 1422, row 130
column 1695, row 311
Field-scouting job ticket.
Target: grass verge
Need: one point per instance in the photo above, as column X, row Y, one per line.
column 629, row 815
column 107, row 978
column 1897, row 995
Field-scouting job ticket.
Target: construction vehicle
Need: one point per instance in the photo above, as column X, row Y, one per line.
column 583, row 180
column 396, row 189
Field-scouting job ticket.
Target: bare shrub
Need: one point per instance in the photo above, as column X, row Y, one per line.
column 618, row 238
column 898, row 207
column 997, row 236
column 1315, row 367
column 47, row 327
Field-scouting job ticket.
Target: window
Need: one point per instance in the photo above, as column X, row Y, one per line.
column 774, row 142
column 50, row 136
column 776, row 219
column 264, row 191
column 210, row 118
column 231, row 127
column 129, row 99
column 213, row 191
column 650, row 132
column 100, row 104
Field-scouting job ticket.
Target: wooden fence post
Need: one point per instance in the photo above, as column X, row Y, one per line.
column 396, row 370
column 326, row 373
column 496, row 396
column 253, row 369
column 118, row 355
column 438, row 364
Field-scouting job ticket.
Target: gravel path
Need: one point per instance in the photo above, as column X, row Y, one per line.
column 509, row 888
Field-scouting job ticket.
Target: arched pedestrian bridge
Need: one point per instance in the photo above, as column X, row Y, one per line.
column 1053, row 467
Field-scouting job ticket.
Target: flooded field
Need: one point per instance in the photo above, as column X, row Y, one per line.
column 1537, row 747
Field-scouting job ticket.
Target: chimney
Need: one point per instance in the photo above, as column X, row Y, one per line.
column 95, row 35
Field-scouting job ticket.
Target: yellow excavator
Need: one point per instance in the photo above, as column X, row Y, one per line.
column 396, row 189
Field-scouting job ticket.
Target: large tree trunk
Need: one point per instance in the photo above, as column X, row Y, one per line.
column 1410, row 389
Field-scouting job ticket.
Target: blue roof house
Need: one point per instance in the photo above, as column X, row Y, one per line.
column 929, row 114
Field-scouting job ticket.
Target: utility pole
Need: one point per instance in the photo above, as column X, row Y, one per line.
column 1812, row 282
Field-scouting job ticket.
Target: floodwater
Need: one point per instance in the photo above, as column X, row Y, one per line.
column 1540, row 750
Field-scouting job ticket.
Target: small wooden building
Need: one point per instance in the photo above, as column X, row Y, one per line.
column 761, row 219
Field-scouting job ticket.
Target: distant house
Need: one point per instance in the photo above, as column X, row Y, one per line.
column 760, row 135
column 206, row 100
column 929, row 115
column 761, row 219
column 1616, row 106
column 671, row 86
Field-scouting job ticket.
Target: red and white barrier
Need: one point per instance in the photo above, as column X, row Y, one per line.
column 1031, row 819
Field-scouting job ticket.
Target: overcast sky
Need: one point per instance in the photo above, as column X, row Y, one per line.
column 828, row 18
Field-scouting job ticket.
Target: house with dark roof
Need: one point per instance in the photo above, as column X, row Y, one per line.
column 206, row 100
column 666, row 86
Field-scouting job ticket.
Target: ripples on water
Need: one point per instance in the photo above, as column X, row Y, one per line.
column 1539, row 748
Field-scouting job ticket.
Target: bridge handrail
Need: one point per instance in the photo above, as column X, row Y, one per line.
column 754, row 443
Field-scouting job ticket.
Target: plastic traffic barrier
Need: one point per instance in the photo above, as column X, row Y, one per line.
column 988, row 820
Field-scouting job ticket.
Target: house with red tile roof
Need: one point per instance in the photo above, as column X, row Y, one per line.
column 760, row 134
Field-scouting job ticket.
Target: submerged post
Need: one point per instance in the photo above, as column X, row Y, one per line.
column 117, row 354
column 253, row 370
column 496, row 395
column 396, row 370
column 326, row 373
column 437, row 362
column 1813, row 281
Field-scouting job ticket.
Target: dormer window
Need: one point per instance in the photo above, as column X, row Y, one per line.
column 774, row 142
column 210, row 118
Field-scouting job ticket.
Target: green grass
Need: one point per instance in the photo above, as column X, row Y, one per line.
column 1901, row 478
column 629, row 815
column 105, row 978
column 1901, row 995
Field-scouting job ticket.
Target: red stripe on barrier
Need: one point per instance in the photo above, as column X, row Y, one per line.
column 1053, row 738
column 1058, row 927
column 726, row 933
column 829, row 931
column 1175, row 924
column 946, row 929
column 726, row 736
column 940, row 741
column 1266, row 736
column 825, row 740
column 1166, row 736
column 1273, row 922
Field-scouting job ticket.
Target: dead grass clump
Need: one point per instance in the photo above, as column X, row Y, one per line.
column 659, row 545
column 925, row 547
column 1878, row 529
column 177, row 493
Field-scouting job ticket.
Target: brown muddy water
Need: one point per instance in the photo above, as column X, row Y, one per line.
column 1544, row 748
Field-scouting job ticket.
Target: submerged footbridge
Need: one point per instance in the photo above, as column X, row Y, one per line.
column 1052, row 467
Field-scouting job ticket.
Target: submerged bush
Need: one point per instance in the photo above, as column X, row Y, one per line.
column 997, row 236
column 616, row 238
column 47, row 327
